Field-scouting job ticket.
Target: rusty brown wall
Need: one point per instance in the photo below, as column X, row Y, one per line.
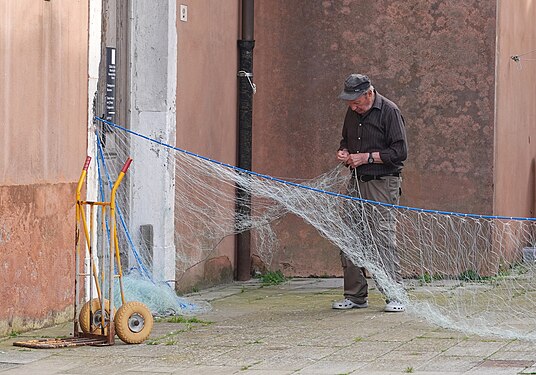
column 435, row 59
column 515, row 132
column 207, row 105
column 43, row 117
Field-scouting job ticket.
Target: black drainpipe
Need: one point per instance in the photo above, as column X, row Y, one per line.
column 245, row 111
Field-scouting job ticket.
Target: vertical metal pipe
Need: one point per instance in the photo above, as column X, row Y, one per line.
column 245, row 112
column 247, row 20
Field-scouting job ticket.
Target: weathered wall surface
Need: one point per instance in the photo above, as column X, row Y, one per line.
column 207, row 105
column 435, row 59
column 515, row 131
column 36, row 255
column 152, row 74
column 43, row 111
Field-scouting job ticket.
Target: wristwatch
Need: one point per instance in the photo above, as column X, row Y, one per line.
column 370, row 158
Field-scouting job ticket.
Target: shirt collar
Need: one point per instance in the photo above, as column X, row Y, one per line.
column 377, row 100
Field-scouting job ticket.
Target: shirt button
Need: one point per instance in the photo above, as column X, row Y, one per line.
column 360, row 124
column 359, row 138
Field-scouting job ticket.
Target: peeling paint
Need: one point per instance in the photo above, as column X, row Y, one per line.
column 5, row 234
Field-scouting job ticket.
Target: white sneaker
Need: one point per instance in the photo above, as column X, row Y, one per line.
column 346, row 304
column 394, row 306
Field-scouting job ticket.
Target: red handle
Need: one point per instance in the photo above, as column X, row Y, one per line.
column 127, row 165
column 86, row 164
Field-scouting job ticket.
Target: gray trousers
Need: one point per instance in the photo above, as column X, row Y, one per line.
column 382, row 225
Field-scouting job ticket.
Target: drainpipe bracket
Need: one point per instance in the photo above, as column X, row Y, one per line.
column 243, row 73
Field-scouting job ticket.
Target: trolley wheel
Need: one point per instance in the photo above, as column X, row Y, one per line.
column 93, row 324
column 133, row 322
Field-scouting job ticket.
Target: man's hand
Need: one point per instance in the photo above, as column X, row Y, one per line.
column 355, row 160
column 342, row 155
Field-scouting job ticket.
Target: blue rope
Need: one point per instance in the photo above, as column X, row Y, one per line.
column 270, row 178
column 120, row 214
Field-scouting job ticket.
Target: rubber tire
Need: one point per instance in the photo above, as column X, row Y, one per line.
column 121, row 322
column 84, row 320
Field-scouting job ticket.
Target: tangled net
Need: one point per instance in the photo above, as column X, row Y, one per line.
column 471, row 273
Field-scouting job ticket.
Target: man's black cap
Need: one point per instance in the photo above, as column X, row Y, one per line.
column 355, row 85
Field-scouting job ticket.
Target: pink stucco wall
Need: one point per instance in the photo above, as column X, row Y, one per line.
column 515, row 129
column 435, row 59
column 207, row 106
column 43, row 117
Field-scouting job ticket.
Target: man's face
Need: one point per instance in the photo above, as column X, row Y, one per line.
column 363, row 103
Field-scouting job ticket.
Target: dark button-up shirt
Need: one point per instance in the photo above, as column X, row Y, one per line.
column 380, row 129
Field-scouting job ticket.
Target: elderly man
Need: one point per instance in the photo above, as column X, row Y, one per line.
column 374, row 146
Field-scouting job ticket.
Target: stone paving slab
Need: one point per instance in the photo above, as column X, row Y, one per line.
column 22, row 356
column 284, row 329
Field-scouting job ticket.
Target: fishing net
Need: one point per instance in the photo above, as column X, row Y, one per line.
column 471, row 273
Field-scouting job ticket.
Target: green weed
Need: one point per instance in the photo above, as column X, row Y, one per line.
column 273, row 278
